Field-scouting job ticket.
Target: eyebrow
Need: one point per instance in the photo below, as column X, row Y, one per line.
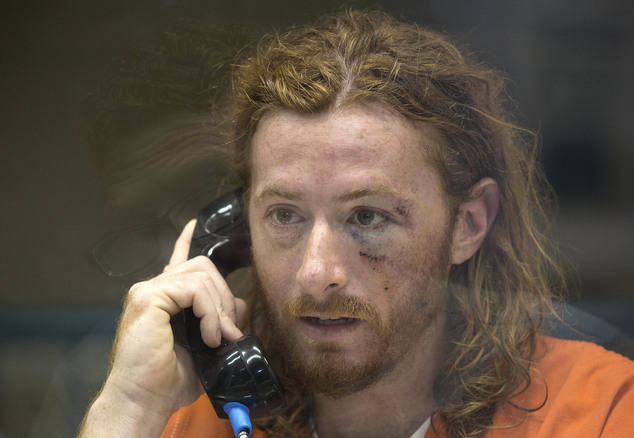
column 275, row 191
column 379, row 190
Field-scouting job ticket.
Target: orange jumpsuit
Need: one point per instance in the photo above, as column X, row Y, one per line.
column 590, row 394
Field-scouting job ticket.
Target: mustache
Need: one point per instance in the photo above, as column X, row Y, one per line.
column 335, row 305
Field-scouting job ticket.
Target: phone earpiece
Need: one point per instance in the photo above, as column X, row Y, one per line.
column 222, row 235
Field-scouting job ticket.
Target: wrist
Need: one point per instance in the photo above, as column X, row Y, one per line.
column 115, row 413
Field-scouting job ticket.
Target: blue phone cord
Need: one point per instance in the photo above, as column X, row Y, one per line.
column 239, row 417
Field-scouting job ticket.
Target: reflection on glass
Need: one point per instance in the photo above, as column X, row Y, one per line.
column 123, row 252
column 126, row 251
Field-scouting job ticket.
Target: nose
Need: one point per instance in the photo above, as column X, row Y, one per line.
column 322, row 270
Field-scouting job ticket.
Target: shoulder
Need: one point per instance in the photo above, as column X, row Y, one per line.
column 577, row 389
column 587, row 371
column 583, row 363
column 199, row 420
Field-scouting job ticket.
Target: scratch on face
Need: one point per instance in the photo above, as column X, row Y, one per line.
column 372, row 258
column 402, row 211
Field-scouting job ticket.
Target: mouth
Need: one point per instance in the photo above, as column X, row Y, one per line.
column 336, row 329
column 328, row 321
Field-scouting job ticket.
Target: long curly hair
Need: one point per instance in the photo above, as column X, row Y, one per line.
column 500, row 295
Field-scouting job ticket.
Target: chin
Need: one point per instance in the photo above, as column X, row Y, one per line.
column 333, row 370
column 336, row 377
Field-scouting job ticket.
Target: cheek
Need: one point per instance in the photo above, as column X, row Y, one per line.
column 270, row 252
column 270, row 287
column 408, row 276
column 272, row 269
column 276, row 272
column 391, row 259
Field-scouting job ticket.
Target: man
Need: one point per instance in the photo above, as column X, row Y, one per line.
column 400, row 275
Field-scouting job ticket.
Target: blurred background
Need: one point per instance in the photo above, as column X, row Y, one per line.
column 65, row 220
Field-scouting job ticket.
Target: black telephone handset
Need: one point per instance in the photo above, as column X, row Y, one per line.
column 236, row 371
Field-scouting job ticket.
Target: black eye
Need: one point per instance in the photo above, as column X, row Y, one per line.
column 369, row 218
column 365, row 217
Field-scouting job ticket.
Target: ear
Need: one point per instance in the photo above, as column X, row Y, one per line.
column 475, row 218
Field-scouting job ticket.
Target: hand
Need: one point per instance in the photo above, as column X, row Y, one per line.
column 150, row 377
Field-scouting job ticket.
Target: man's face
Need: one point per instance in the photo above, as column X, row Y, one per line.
column 351, row 241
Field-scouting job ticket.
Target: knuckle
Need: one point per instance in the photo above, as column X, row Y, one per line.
column 203, row 263
column 229, row 306
column 142, row 294
column 204, row 281
column 225, row 318
column 220, row 308
column 136, row 301
column 137, row 293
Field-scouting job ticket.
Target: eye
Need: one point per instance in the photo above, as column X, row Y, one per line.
column 368, row 218
column 284, row 216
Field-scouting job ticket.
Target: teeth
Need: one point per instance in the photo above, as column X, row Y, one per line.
column 332, row 321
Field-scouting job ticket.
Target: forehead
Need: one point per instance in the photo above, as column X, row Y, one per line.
column 363, row 151
column 360, row 137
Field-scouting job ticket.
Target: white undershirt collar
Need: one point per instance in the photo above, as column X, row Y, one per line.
column 420, row 432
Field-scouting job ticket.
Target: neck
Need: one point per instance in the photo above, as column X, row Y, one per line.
column 396, row 405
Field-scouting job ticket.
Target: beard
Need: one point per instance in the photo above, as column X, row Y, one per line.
column 323, row 367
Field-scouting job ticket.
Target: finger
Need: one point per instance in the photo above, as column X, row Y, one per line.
column 181, row 247
column 221, row 288
column 218, row 323
column 227, row 298
column 217, row 326
column 173, row 293
column 197, row 283
column 220, row 295
column 216, row 308
column 241, row 313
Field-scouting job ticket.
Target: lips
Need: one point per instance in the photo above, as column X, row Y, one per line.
column 339, row 319
column 324, row 329
column 329, row 321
